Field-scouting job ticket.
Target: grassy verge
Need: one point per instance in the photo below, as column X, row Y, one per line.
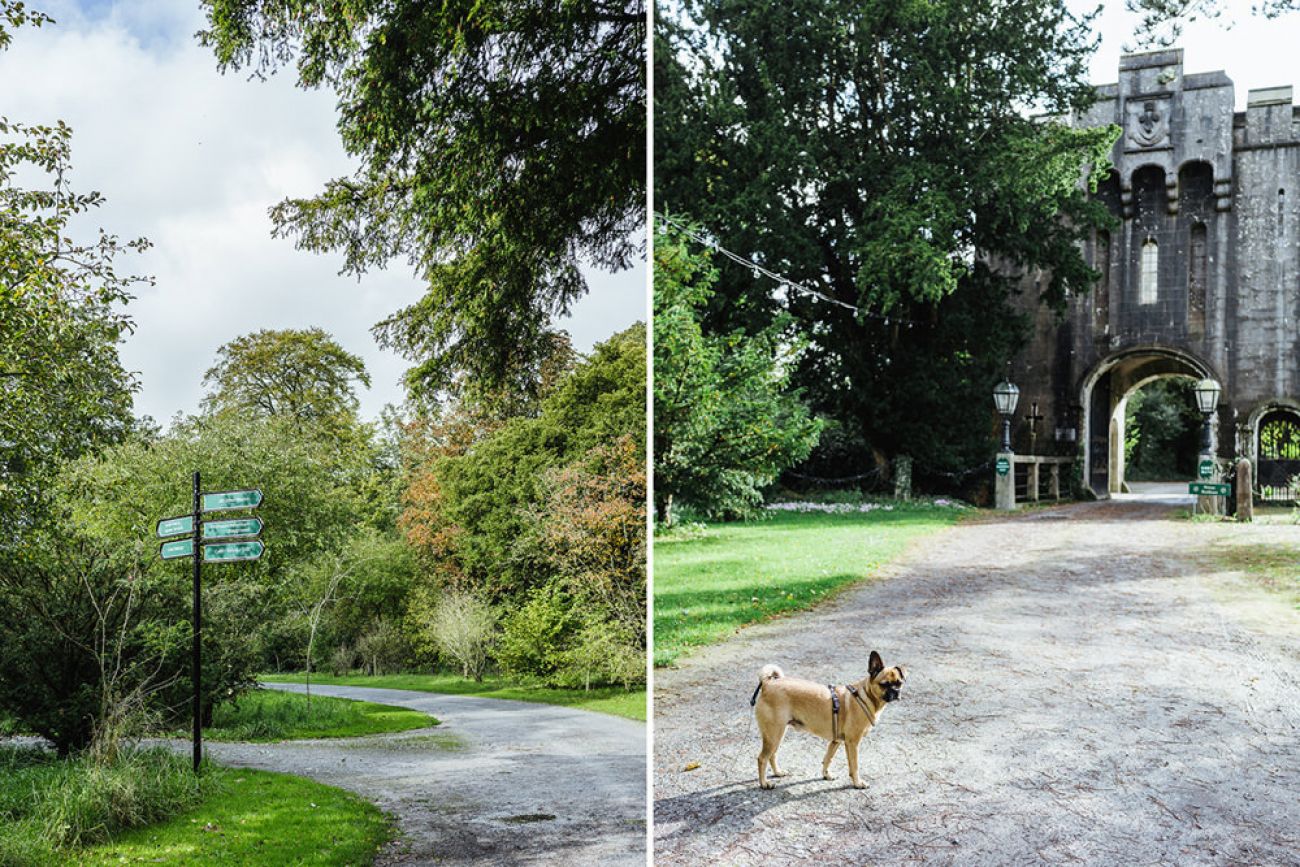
column 711, row 581
column 612, row 700
column 1274, row 567
column 265, row 715
column 149, row 807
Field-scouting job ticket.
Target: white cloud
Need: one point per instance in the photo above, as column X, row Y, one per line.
column 1254, row 51
column 192, row 159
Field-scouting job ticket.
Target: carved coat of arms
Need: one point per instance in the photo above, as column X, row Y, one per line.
column 1148, row 124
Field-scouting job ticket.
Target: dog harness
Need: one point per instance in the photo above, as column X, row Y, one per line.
column 853, row 690
column 835, row 714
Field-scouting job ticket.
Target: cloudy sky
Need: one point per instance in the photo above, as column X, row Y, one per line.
column 1255, row 52
column 192, row 159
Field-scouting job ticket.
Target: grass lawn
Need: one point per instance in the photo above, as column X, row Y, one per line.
column 257, row 817
column 1275, row 567
column 149, row 807
column 265, row 715
column 608, row 699
column 709, row 583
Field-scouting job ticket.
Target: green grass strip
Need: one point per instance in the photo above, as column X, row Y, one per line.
column 257, row 817
column 612, row 700
column 267, row 715
column 1273, row 566
column 709, row 583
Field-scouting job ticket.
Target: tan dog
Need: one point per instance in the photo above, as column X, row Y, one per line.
column 782, row 701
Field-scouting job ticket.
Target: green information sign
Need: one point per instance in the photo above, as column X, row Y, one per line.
column 1209, row 489
column 1003, row 466
column 177, row 548
column 175, row 526
column 226, row 552
column 223, row 500
column 232, row 529
column 1205, row 469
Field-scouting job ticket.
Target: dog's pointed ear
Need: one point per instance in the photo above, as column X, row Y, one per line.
column 875, row 665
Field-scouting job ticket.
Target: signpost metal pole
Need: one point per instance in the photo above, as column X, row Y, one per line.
column 198, row 625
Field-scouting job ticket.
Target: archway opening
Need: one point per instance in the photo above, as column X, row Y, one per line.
column 1105, row 396
column 1162, row 431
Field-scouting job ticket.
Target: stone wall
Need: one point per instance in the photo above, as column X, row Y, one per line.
column 1200, row 278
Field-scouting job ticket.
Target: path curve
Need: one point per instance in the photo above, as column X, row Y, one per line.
column 501, row 782
column 1083, row 687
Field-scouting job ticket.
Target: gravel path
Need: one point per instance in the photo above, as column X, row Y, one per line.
column 1082, row 687
column 500, row 782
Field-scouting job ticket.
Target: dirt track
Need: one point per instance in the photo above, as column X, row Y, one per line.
column 1082, row 688
column 499, row 782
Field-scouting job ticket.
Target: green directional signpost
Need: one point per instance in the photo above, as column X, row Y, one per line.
column 232, row 529
column 1209, row 489
column 230, row 540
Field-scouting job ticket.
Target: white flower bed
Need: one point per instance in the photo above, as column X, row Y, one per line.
column 841, row 508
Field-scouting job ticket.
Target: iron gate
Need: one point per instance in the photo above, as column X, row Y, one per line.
column 1279, row 457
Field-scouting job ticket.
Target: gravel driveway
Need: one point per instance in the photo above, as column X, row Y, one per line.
column 1083, row 687
column 500, row 782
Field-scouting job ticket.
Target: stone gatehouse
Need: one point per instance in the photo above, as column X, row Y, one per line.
column 1200, row 278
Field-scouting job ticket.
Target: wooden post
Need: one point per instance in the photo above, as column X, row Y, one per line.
column 1056, row 480
column 1031, row 486
column 1245, row 494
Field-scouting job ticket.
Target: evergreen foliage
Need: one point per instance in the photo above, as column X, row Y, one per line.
column 501, row 143
column 726, row 423
column 887, row 154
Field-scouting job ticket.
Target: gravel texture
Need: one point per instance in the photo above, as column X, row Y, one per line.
column 1083, row 687
column 499, row 782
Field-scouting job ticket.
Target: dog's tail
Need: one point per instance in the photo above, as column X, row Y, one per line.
column 769, row 672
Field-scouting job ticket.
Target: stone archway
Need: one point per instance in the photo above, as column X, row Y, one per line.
column 1103, row 396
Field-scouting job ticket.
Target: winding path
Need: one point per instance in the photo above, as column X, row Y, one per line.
column 1084, row 686
column 500, row 782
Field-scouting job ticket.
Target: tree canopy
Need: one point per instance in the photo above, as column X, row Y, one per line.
column 302, row 375
column 501, row 143
column 884, row 154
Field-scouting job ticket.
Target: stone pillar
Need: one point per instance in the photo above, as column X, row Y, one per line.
column 1210, row 505
column 1245, row 494
column 1004, row 484
column 903, row 478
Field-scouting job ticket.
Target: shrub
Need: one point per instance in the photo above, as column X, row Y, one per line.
column 462, row 627
column 382, row 647
column 535, row 635
column 342, row 660
column 601, row 654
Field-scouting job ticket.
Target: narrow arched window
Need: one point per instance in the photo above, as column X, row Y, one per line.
column 1150, row 263
column 1196, row 262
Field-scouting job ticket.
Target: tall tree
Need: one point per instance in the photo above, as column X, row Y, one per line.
column 63, row 390
column 301, row 375
column 501, row 143
column 880, row 152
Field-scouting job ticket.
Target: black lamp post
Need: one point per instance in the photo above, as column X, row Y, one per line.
column 1005, row 395
column 1207, row 400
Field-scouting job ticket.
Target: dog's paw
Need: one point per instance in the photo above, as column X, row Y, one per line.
column 858, row 784
column 780, row 773
column 767, row 784
column 827, row 775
